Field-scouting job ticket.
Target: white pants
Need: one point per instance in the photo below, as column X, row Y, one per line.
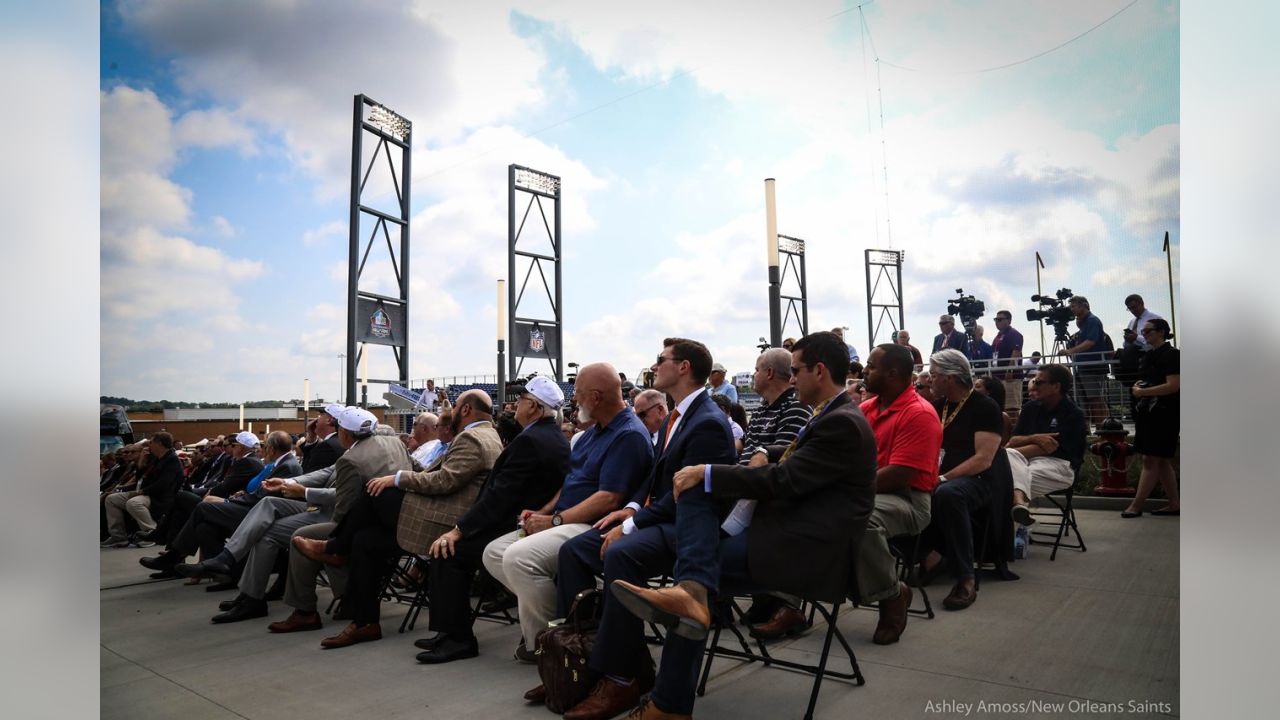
column 139, row 506
column 527, row 567
column 1039, row 475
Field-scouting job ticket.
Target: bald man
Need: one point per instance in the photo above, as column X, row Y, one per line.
column 606, row 467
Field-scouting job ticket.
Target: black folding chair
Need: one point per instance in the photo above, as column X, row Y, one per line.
column 1063, row 516
column 818, row 671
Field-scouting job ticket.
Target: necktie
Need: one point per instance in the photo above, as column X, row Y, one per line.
column 671, row 421
column 256, row 482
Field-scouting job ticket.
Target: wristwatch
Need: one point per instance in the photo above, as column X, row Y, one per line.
column 556, row 520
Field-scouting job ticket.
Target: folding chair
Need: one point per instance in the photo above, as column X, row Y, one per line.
column 906, row 552
column 818, row 671
column 1063, row 515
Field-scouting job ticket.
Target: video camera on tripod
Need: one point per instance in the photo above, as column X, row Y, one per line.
column 968, row 307
column 1053, row 311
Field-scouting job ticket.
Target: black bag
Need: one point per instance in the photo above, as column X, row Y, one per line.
column 563, row 651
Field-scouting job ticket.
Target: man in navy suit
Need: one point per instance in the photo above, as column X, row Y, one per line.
column 814, row 497
column 950, row 337
column 637, row 542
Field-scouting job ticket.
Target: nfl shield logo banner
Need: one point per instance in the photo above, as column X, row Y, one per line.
column 537, row 340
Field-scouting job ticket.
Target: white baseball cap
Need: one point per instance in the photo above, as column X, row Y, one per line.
column 718, row 368
column 245, row 438
column 357, row 420
column 545, row 390
column 333, row 410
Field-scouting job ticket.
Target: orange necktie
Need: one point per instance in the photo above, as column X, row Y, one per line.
column 671, row 421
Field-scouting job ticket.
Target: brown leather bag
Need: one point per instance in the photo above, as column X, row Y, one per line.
column 563, row 651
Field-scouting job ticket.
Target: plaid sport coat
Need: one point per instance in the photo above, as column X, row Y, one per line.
column 436, row 497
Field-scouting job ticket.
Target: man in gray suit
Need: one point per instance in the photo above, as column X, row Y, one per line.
column 406, row 512
column 367, row 455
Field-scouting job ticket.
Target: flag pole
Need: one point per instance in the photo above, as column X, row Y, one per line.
column 1040, row 264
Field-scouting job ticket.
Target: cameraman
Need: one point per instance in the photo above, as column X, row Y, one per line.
column 1088, row 353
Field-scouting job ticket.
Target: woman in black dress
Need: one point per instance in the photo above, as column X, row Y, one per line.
column 1156, row 419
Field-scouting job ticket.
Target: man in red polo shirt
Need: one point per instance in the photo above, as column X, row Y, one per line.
column 908, row 440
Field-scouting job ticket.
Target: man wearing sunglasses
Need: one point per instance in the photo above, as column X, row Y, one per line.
column 651, row 408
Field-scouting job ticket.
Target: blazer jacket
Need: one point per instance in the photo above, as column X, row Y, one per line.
column 813, row 508
column 371, row 457
column 162, row 484
column 524, row 477
column 238, row 476
column 435, row 498
column 702, row 436
column 321, row 454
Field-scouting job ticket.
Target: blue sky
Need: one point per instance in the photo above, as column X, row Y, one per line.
column 226, row 145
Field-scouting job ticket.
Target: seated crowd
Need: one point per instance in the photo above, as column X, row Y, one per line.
column 802, row 501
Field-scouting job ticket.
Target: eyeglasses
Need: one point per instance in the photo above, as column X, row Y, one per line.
column 1146, row 331
column 662, row 359
column 796, row 370
column 944, row 324
column 641, row 413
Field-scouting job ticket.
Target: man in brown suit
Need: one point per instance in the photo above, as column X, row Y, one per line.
column 406, row 512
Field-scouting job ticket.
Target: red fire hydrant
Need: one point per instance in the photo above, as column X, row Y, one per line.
column 1114, row 453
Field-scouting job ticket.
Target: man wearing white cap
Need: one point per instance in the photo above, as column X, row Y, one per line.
column 525, row 478
column 718, row 384
column 322, row 448
column 606, row 466
column 403, row 511
column 367, row 455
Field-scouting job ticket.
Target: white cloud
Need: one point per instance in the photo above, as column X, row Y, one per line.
column 215, row 128
column 294, row 67
column 319, row 235
column 223, row 227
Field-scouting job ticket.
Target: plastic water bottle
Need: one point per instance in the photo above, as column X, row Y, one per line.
column 1020, row 538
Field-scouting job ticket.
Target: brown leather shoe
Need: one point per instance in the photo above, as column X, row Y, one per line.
column 297, row 621
column 606, row 700
column 353, row 634
column 785, row 621
column 649, row 711
column 537, row 696
column 316, row 550
column 672, row 607
column 893, row 617
column 962, row 595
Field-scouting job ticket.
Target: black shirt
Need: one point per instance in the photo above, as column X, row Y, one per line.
column 1066, row 419
column 979, row 414
column 1157, row 365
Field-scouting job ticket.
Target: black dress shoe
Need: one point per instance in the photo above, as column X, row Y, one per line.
column 226, row 605
column 430, row 642
column 246, row 609
column 448, row 650
column 214, row 567
column 164, row 561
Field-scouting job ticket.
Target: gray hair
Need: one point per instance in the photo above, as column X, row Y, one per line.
column 952, row 362
column 779, row 360
column 425, row 417
column 385, row 430
column 657, row 397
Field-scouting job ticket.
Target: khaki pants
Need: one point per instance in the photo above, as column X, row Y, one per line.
column 117, row 504
column 527, row 567
column 1039, row 475
column 893, row 515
